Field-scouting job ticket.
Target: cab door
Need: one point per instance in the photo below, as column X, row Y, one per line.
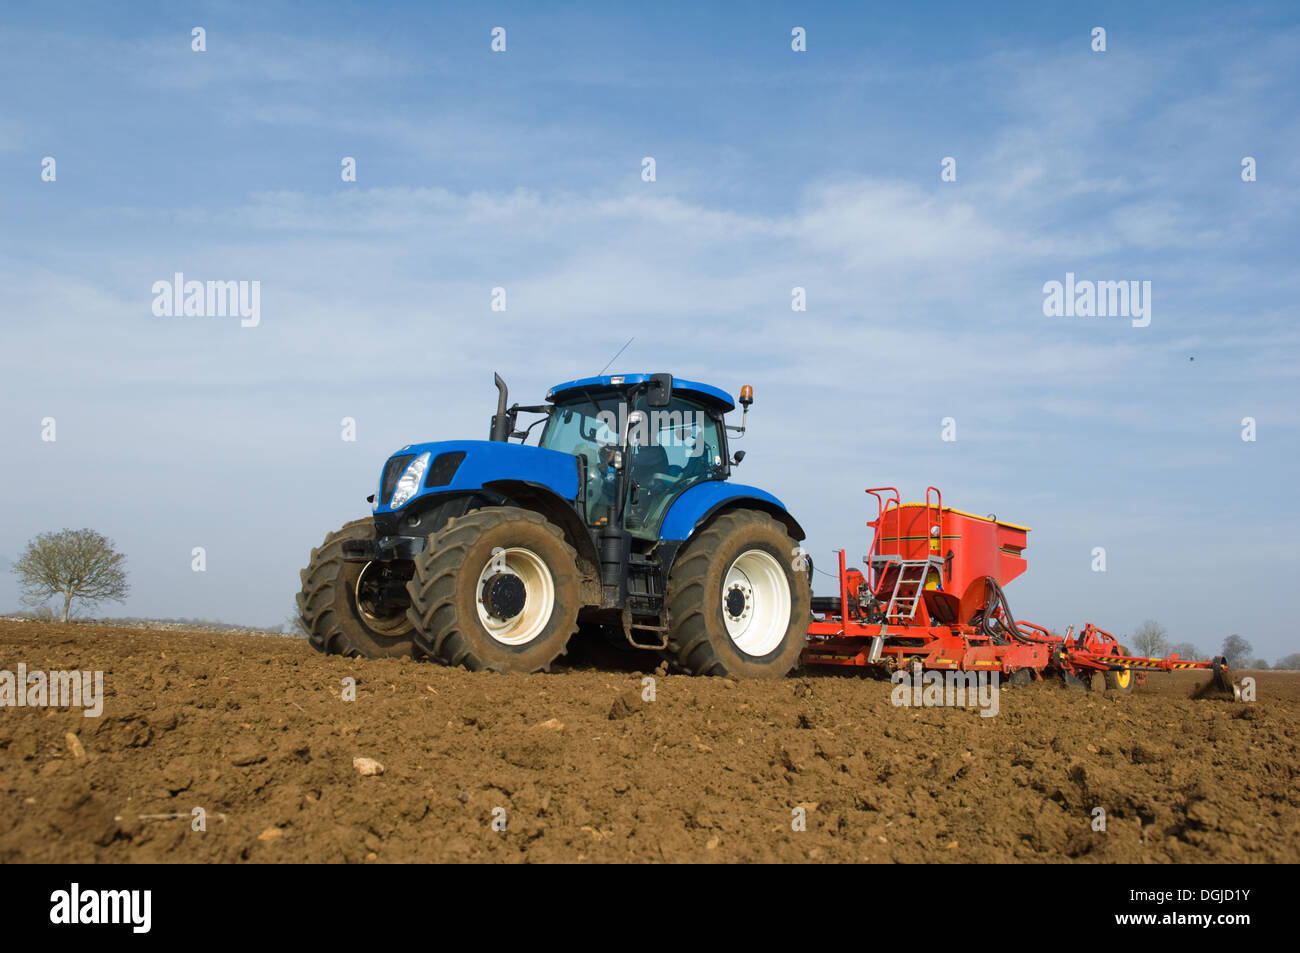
column 669, row 450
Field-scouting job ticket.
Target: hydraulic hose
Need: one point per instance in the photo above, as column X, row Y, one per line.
column 998, row 631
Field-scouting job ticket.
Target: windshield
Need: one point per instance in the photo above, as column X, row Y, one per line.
column 582, row 427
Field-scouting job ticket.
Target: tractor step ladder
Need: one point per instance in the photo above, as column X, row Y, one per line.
column 908, row 586
column 658, row 641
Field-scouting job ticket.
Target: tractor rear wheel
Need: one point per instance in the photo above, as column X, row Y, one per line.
column 736, row 603
column 495, row 589
column 1120, row 681
column 348, row 608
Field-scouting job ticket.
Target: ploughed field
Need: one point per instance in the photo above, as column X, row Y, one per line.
column 257, row 733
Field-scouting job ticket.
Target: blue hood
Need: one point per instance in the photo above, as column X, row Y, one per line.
column 487, row 462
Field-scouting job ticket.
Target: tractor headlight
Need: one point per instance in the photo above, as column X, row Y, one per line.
column 409, row 484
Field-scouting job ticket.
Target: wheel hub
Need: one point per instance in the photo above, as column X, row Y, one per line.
column 505, row 596
column 515, row 596
column 738, row 598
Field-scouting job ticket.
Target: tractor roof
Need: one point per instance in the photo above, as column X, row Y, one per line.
column 710, row 396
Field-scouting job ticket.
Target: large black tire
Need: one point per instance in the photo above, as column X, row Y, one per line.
column 699, row 594
column 455, row 591
column 1120, row 681
column 328, row 604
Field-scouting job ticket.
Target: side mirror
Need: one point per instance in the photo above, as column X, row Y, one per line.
column 740, row 455
column 660, row 393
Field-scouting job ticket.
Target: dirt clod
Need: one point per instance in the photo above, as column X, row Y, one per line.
column 75, row 747
column 625, row 705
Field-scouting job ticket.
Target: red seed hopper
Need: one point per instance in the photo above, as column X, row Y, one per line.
column 932, row 594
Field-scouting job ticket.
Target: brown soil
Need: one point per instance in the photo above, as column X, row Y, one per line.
column 254, row 731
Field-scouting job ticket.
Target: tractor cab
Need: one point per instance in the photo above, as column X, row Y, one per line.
column 664, row 435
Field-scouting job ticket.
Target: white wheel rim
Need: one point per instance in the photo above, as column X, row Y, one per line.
column 757, row 586
column 539, row 596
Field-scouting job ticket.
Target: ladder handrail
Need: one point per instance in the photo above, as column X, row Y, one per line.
column 936, row 543
column 881, row 505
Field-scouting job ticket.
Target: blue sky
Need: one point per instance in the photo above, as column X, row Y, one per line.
column 774, row 169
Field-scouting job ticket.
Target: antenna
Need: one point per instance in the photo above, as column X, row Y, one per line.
column 615, row 357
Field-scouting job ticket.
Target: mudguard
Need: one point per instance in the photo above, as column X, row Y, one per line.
column 701, row 501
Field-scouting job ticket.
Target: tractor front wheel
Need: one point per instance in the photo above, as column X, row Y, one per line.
column 738, row 599
column 495, row 589
column 354, row 608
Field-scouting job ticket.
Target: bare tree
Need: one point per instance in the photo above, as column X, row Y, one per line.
column 75, row 563
column 1150, row 639
column 294, row 624
column 1237, row 651
column 1290, row 663
column 1185, row 650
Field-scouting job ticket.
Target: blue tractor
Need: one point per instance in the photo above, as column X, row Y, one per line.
column 492, row 553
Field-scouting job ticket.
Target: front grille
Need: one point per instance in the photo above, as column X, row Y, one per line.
column 392, row 473
column 444, row 468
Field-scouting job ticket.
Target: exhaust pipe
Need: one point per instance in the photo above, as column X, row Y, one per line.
column 500, row 420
